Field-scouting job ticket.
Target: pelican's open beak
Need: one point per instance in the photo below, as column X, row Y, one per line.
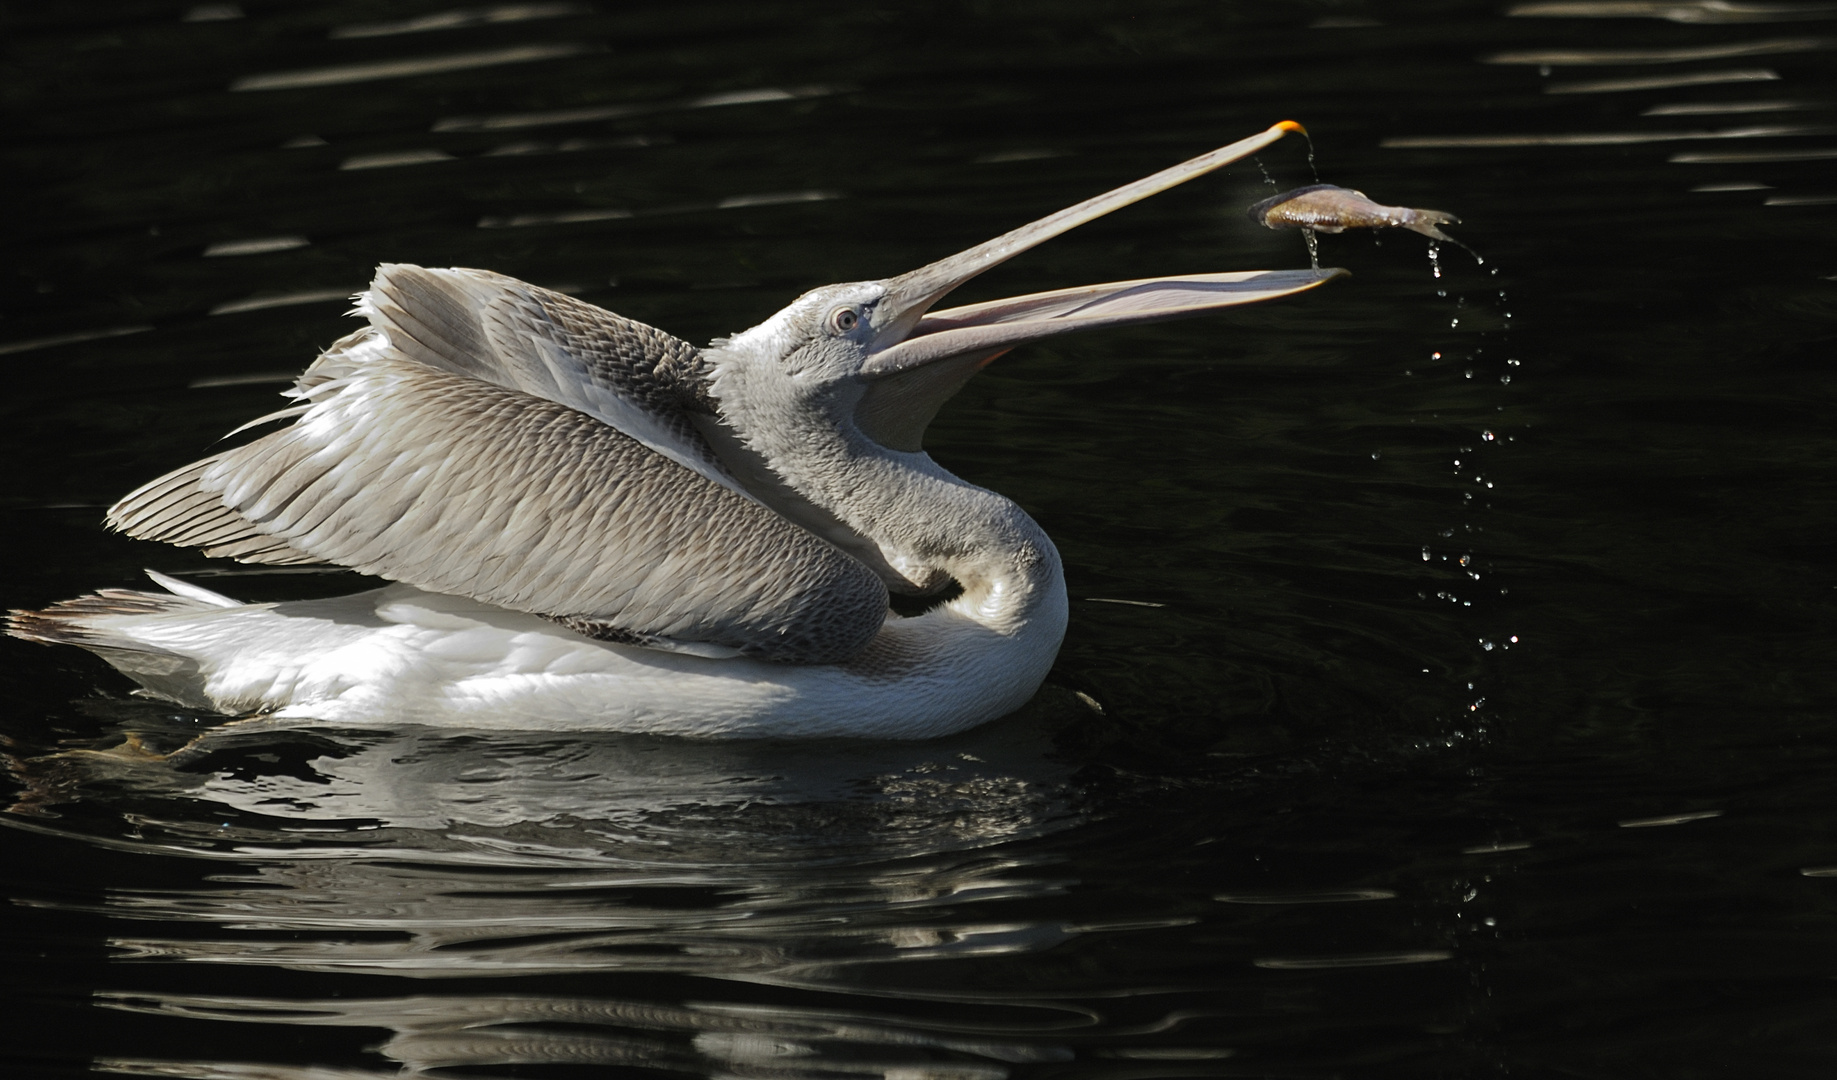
column 918, row 357
column 909, row 335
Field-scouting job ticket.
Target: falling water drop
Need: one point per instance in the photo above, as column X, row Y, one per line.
column 1313, row 246
column 1264, row 169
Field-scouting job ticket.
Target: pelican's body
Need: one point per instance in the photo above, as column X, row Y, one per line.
column 594, row 525
column 400, row 655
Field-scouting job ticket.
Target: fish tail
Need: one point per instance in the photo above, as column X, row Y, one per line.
column 1425, row 222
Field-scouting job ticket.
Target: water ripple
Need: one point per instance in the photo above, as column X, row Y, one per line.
column 1605, row 138
column 460, row 19
column 1678, row 11
column 1662, row 82
column 1672, row 55
column 402, row 69
column 591, row 114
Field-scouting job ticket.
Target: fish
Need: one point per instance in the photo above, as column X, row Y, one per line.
column 1330, row 209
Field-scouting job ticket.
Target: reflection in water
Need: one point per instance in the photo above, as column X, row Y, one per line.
column 274, row 300
column 598, row 113
column 438, row 855
column 1679, row 11
column 460, row 19
column 54, row 340
column 713, row 1038
column 264, row 245
column 1662, row 82
column 1729, row 108
column 401, row 69
column 1681, row 55
column 1602, row 138
column 1272, row 839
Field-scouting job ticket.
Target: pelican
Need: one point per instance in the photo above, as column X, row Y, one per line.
column 589, row 524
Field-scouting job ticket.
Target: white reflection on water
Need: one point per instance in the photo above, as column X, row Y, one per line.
column 273, row 300
column 722, row 1038
column 1673, row 55
column 493, row 855
column 1678, row 11
column 431, row 854
column 1729, row 108
column 344, row 74
column 1605, row 138
column 460, row 19
column 620, row 213
column 595, row 113
column 261, row 245
column 54, row 340
column 1663, row 82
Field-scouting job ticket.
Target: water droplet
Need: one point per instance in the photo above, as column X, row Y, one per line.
column 1513, row 363
column 1435, row 356
column 1374, row 455
column 1468, row 374
column 1487, row 645
column 1425, row 554
column 1487, row 435
column 1267, row 179
column 1505, row 378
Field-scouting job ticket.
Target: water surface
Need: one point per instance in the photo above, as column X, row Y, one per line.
column 1448, row 690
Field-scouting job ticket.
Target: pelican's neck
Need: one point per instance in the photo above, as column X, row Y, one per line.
column 925, row 523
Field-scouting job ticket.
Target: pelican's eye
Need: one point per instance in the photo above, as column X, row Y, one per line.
column 844, row 319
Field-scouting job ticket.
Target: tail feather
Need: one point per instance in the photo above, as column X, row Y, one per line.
column 103, row 623
column 71, row 622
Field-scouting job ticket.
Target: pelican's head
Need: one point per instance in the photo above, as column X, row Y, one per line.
column 874, row 355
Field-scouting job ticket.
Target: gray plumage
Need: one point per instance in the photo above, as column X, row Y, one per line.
column 489, row 439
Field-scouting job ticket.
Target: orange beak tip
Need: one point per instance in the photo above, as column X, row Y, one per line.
column 1290, row 125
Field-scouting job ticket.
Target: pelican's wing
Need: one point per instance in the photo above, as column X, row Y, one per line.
column 508, row 332
column 431, row 463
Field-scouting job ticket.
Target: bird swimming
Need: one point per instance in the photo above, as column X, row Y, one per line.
column 589, row 524
column 1330, row 209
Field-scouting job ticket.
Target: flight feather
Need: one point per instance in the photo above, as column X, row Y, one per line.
column 489, row 439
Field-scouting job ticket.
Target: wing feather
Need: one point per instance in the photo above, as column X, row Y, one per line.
column 480, row 441
column 508, row 332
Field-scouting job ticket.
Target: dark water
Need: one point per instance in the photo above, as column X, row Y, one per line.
column 1449, row 684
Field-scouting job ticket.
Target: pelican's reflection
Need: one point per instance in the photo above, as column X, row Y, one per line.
column 812, row 867
column 430, row 1033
